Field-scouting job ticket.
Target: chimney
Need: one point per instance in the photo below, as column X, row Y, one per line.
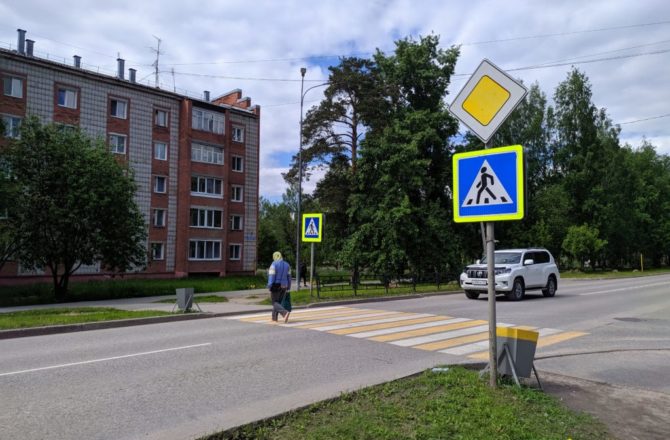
column 132, row 72
column 29, row 47
column 77, row 61
column 121, row 67
column 22, row 41
column 206, row 93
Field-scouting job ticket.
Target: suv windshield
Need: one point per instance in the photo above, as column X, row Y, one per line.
column 505, row 258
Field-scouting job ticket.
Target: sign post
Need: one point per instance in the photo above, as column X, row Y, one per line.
column 312, row 232
column 495, row 184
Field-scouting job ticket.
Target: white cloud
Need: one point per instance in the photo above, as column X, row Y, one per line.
column 229, row 35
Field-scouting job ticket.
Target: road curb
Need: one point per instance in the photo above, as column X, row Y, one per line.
column 101, row 325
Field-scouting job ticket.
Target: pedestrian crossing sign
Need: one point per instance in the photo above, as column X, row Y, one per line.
column 489, row 185
column 312, row 227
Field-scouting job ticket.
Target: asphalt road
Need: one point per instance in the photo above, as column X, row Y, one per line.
column 185, row 379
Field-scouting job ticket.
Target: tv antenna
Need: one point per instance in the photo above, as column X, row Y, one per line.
column 158, row 53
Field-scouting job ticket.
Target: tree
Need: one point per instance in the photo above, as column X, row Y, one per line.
column 276, row 231
column 76, row 204
column 401, row 206
column 582, row 243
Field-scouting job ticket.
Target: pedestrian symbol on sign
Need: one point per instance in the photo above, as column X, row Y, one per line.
column 312, row 230
column 312, row 227
column 486, row 189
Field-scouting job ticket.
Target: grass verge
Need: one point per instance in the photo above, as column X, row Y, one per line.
column 452, row 405
column 117, row 288
column 303, row 296
column 595, row 274
column 60, row 316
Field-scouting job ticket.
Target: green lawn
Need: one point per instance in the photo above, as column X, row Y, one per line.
column 59, row 316
column 453, row 405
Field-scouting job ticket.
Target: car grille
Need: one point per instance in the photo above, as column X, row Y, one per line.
column 477, row 273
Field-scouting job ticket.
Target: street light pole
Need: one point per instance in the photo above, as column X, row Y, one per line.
column 298, row 219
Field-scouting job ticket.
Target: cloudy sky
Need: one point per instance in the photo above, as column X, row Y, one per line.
column 259, row 47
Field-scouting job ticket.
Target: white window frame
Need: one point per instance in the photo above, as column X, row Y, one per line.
column 205, row 218
column 12, row 126
column 165, row 182
column 199, row 249
column 237, row 164
column 206, row 153
column 157, row 245
column 115, row 146
column 238, row 134
column 15, row 88
column 240, row 222
column 203, row 182
column 165, row 150
column 208, row 121
column 124, row 106
column 67, row 103
column 236, row 193
column 238, row 255
column 159, row 218
column 157, row 119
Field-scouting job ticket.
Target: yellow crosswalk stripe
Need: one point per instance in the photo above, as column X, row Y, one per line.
column 352, row 320
column 365, row 328
column 559, row 337
column 427, row 331
column 441, row 345
column 313, row 315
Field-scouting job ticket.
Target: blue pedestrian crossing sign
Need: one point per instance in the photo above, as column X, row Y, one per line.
column 312, row 227
column 489, row 185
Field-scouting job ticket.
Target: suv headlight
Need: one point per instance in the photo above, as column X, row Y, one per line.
column 503, row 271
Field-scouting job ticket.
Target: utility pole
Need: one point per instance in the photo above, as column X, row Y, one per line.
column 158, row 53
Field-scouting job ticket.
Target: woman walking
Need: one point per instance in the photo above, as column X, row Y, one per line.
column 279, row 283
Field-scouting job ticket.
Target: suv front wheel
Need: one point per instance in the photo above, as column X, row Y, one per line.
column 518, row 290
column 471, row 295
column 550, row 290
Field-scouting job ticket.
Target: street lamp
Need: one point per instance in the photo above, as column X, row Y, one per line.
column 298, row 219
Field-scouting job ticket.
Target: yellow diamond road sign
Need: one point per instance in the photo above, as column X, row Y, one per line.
column 487, row 99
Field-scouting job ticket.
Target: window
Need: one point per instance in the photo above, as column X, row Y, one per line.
column 235, row 222
column 236, row 193
column 204, row 250
column 13, row 86
column 206, row 154
column 238, row 164
column 207, row 121
column 119, row 108
column 161, row 118
column 206, row 218
column 206, row 186
column 160, row 184
column 67, row 97
column 159, row 218
column 234, row 251
column 117, row 143
column 160, row 150
column 157, row 251
column 12, row 126
column 238, row 134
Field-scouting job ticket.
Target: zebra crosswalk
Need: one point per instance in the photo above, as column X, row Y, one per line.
column 422, row 331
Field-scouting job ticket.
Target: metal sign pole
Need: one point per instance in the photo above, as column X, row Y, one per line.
column 311, row 271
column 491, row 284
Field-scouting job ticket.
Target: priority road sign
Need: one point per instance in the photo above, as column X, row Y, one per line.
column 489, row 185
column 487, row 99
column 312, row 227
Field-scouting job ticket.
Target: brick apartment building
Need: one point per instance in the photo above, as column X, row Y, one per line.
column 195, row 161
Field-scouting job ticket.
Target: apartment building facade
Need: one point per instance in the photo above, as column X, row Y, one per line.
column 195, row 161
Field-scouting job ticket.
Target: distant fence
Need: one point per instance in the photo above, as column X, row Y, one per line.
column 338, row 283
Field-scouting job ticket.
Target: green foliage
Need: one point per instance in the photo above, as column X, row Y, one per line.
column 76, row 204
column 582, row 243
column 63, row 316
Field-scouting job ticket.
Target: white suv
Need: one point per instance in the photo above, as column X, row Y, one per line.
column 516, row 270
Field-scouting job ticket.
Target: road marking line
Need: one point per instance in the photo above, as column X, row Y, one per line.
column 554, row 339
column 442, row 321
column 316, row 324
column 462, row 323
column 316, row 315
column 544, row 332
column 401, row 317
column 622, row 289
column 258, row 315
column 92, row 361
column 466, row 349
column 441, row 345
column 387, row 325
column 439, row 336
